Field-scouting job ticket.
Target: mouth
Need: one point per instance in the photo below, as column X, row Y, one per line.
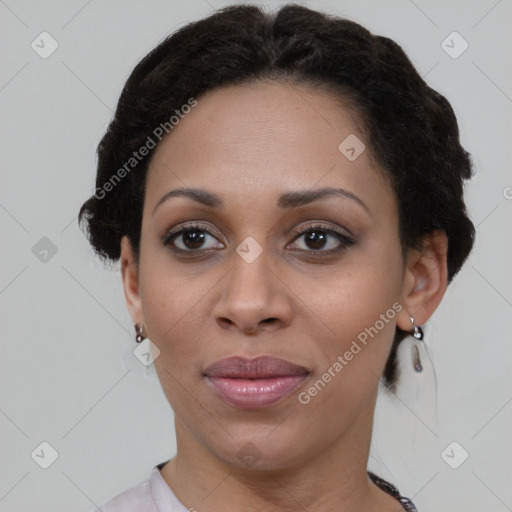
column 254, row 383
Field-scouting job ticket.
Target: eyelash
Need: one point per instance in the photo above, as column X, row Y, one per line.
column 344, row 240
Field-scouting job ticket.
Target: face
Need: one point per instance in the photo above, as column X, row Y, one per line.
column 268, row 267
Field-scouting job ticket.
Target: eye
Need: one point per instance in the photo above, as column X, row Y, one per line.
column 318, row 239
column 322, row 239
column 191, row 239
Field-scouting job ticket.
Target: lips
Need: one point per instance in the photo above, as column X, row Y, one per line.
column 254, row 383
column 261, row 367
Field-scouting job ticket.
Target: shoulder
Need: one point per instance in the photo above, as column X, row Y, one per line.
column 406, row 503
column 133, row 499
column 152, row 495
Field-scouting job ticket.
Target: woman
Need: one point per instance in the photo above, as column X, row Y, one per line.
column 285, row 196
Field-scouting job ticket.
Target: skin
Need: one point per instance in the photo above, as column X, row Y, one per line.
column 249, row 144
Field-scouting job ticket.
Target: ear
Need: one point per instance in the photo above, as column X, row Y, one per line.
column 130, row 277
column 425, row 280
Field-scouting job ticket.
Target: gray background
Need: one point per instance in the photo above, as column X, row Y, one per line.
column 66, row 372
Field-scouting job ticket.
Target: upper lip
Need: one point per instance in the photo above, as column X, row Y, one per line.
column 238, row 367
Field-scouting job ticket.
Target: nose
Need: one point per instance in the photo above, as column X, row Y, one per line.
column 254, row 298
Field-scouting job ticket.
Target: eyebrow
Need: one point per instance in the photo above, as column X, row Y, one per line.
column 290, row 199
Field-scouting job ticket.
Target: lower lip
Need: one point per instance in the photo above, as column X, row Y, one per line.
column 255, row 393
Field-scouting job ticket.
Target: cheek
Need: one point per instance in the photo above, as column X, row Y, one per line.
column 360, row 307
column 172, row 310
column 170, row 305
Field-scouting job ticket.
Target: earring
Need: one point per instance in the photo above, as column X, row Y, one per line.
column 417, row 333
column 139, row 336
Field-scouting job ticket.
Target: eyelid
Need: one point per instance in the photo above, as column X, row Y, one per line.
column 320, row 225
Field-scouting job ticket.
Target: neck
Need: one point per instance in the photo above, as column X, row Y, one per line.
column 331, row 479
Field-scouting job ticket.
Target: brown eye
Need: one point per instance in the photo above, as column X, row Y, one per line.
column 316, row 240
column 191, row 239
column 322, row 239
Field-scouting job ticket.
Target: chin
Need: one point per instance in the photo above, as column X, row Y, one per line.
column 261, row 450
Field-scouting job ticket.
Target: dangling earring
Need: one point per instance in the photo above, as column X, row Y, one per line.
column 139, row 336
column 417, row 333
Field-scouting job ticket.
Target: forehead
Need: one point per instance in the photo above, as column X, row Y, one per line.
column 249, row 142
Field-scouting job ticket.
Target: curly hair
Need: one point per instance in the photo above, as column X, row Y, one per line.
column 411, row 129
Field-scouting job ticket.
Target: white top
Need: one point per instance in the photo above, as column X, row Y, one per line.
column 153, row 495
